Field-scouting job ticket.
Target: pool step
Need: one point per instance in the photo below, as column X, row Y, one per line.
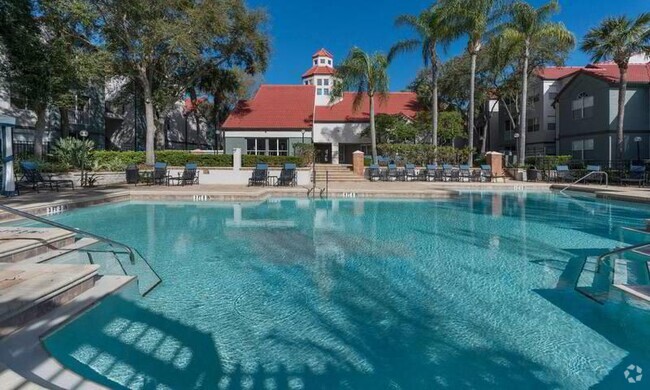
column 594, row 285
column 20, row 243
column 634, row 236
column 69, row 254
column 28, row 291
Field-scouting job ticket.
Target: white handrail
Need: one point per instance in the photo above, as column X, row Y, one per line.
column 586, row 176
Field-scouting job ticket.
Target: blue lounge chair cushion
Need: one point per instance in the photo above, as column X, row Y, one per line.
column 289, row 166
column 262, row 166
column 593, row 168
column 190, row 166
column 486, row 167
column 160, row 165
column 562, row 168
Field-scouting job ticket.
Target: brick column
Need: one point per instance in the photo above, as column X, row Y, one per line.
column 358, row 163
column 495, row 160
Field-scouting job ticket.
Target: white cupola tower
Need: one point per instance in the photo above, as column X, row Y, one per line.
column 321, row 75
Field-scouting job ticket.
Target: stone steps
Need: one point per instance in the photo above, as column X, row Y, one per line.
column 28, row 291
column 20, row 243
column 336, row 173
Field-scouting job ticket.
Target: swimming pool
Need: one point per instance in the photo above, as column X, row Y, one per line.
column 470, row 292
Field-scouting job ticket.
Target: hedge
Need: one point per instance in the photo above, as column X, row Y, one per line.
column 116, row 160
column 547, row 163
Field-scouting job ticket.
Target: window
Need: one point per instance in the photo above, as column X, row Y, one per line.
column 578, row 147
column 326, row 81
column 550, row 126
column 532, row 125
column 550, row 123
column 315, row 62
column 306, row 82
column 319, row 82
column 276, row 146
column 583, row 106
column 329, row 62
column 322, row 60
column 326, row 91
column 319, row 91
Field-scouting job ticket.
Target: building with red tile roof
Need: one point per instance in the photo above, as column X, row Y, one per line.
column 280, row 116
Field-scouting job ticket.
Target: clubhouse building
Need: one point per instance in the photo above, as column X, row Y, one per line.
column 280, row 116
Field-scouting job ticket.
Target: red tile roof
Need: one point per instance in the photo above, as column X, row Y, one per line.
column 396, row 103
column 322, row 53
column 557, row 72
column 275, row 107
column 319, row 70
column 636, row 73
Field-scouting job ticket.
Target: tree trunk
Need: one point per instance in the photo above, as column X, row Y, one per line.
column 485, row 131
column 65, row 122
column 39, row 130
column 622, row 90
column 373, row 133
column 524, row 104
column 434, row 97
column 470, row 113
column 149, row 118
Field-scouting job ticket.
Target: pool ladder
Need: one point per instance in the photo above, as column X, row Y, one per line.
column 323, row 192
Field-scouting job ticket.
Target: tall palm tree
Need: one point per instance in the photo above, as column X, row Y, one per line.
column 430, row 32
column 473, row 18
column 367, row 75
column 529, row 25
column 618, row 39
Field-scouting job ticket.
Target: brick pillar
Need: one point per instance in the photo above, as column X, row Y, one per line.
column 357, row 163
column 495, row 160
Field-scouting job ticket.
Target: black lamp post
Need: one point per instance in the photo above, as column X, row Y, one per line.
column 83, row 134
column 516, row 135
column 638, row 140
column 303, row 135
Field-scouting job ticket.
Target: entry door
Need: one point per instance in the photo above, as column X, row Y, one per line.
column 323, row 153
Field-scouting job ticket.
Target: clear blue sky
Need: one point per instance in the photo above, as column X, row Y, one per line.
column 298, row 29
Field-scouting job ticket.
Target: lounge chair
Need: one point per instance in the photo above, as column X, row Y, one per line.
column 374, row 172
column 432, row 173
column 160, row 173
column 563, row 174
column 287, row 175
column 189, row 176
column 409, row 173
column 636, row 174
column 260, row 176
column 486, row 173
column 393, row 173
column 465, row 173
column 34, row 179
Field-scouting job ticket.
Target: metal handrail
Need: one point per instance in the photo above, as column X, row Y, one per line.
column 586, row 176
column 23, row 214
column 602, row 257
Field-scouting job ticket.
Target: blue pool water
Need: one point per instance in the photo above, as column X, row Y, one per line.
column 473, row 292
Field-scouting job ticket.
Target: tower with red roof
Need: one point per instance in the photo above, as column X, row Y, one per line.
column 321, row 75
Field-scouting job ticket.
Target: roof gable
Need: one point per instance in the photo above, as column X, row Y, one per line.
column 404, row 103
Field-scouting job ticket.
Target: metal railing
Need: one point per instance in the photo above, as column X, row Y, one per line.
column 130, row 251
column 586, row 176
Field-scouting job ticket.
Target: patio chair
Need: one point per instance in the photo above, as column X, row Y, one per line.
column 449, row 173
column 564, row 174
column 32, row 177
column 595, row 177
column 160, row 175
column 132, row 174
column 374, row 172
column 190, row 176
column 636, row 174
column 260, row 176
column 432, row 173
column 287, row 175
column 486, row 173
column 409, row 173
column 465, row 173
column 393, row 173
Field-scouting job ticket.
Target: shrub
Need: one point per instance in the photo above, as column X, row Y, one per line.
column 73, row 152
column 45, row 166
column 274, row 161
column 306, row 153
column 422, row 154
column 547, row 163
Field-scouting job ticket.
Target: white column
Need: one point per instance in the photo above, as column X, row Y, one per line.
column 236, row 159
column 335, row 152
column 9, row 184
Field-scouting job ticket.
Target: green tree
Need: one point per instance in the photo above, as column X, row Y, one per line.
column 530, row 25
column 473, row 18
column 164, row 45
column 430, row 32
column 618, row 39
column 452, row 127
column 367, row 75
column 42, row 61
column 394, row 129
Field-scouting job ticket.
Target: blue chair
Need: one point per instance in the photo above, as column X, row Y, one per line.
column 287, row 175
column 374, row 172
column 563, row 173
column 465, row 173
column 32, row 177
column 392, row 173
column 409, row 172
column 432, row 173
column 189, row 176
column 260, row 176
column 160, row 175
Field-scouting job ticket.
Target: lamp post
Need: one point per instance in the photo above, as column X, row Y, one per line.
column 83, row 134
column 516, row 135
column 303, row 135
column 638, row 140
